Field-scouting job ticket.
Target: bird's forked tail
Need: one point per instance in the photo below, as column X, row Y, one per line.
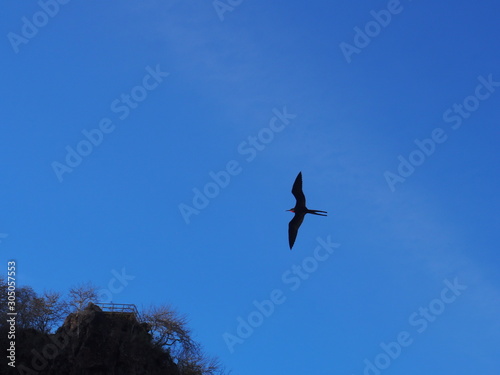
column 315, row 212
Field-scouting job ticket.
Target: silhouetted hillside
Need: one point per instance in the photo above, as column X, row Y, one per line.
column 60, row 336
column 92, row 342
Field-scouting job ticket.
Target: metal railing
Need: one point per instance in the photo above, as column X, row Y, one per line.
column 119, row 308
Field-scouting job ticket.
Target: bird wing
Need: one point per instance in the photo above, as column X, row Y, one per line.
column 293, row 228
column 297, row 192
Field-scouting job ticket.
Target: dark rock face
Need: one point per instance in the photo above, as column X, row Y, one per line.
column 93, row 342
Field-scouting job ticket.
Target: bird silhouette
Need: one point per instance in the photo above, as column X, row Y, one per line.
column 300, row 210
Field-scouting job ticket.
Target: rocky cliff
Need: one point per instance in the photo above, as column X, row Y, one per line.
column 93, row 342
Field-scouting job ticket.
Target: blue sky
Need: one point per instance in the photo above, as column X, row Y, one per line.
column 178, row 90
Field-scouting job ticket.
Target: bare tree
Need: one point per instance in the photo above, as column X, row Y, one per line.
column 3, row 295
column 168, row 329
column 49, row 311
column 170, row 332
column 27, row 314
column 198, row 363
column 79, row 297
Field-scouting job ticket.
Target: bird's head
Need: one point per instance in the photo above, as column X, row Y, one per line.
column 291, row 210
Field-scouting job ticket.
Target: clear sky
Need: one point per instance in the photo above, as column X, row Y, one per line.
column 150, row 147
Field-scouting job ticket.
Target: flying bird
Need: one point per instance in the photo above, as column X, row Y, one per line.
column 300, row 210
